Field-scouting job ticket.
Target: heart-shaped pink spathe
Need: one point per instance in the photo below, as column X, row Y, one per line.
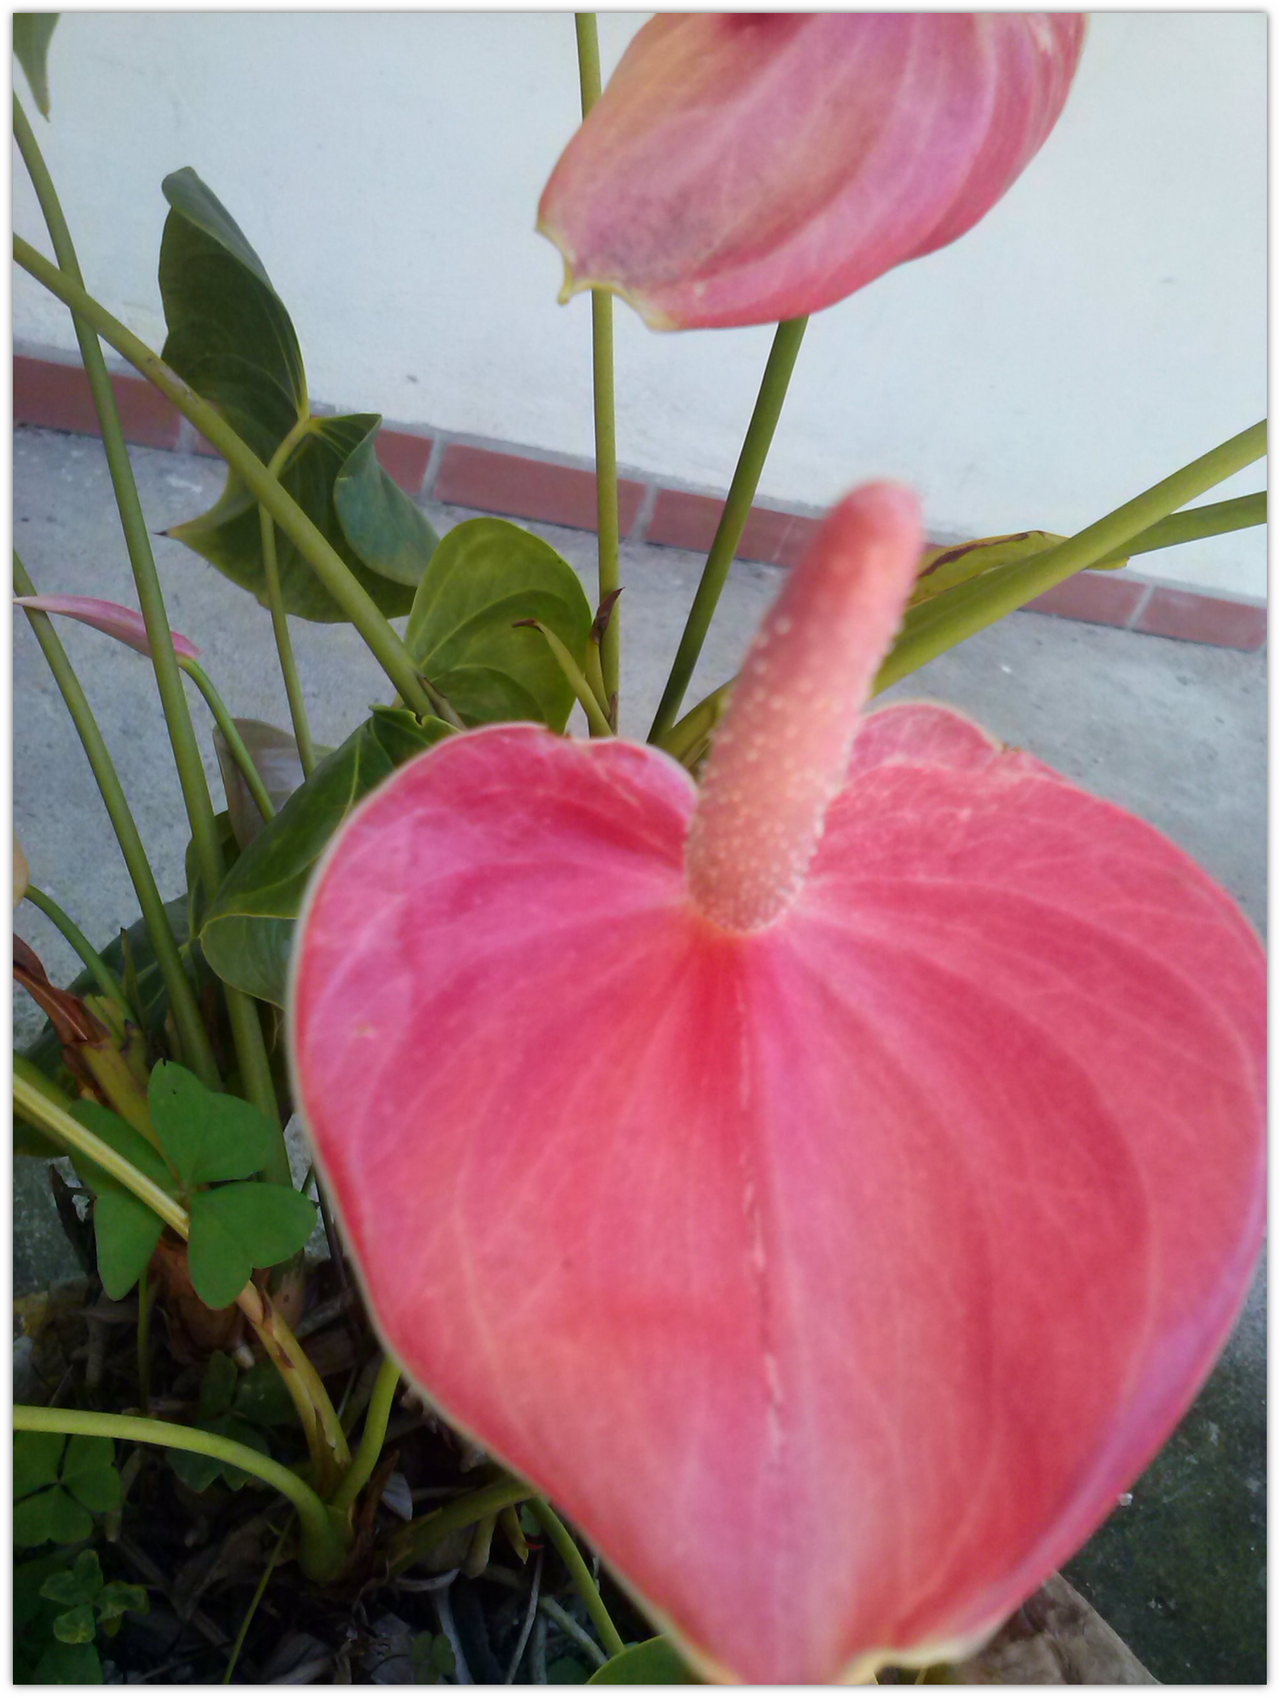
column 740, row 169
column 832, row 1221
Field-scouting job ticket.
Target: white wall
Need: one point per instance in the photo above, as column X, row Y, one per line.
column 1105, row 324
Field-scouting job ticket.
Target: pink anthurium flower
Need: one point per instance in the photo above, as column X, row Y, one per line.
column 829, row 1185
column 743, row 169
column 125, row 624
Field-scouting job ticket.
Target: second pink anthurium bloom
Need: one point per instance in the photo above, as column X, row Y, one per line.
column 742, row 169
column 829, row 1185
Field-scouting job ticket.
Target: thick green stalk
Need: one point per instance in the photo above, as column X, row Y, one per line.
column 322, row 1551
column 575, row 1562
column 246, row 1030
column 196, row 1048
column 332, row 571
column 737, row 508
column 279, row 618
column 372, row 1437
column 575, row 678
column 106, row 980
column 235, row 743
column 417, row 1537
column 584, row 24
column 1215, row 518
column 979, row 604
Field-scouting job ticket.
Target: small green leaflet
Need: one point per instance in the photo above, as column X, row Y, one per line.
column 32, row 32
column 206, row 1135
column 59, row 1485
column 241, row 1227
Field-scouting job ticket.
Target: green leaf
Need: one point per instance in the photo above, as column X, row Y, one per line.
column 228, row 855
column 485, row 575
column 31, row 35
column 263, row 1398
column 275, row 754
column 567, row 1671
column 51, row 1514
column 229, row 535
column 126, row 1233
column 218, row 1386
column 89, row 1473
column 241, row 1227
column 126, row 1141
column 207, row 1135
column 68, row 1665
column 36, row 1460
column 75, row 1626
column 382, row 525
column 230, row 336
column 117, row 1597
column 199, row 1472
column 403, row 735
column 248, row 931
column 654, row 1662
column 78, row 1584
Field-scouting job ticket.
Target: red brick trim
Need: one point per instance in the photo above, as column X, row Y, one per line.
column 499, row 478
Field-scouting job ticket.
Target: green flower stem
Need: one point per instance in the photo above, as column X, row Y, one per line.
column 196, row 1048
column 39, row 1101
column 552, row 1610
column 417, row 1537
column 574, row 1561
column 106, row 980
column 256, row 1599
column 1216, row 518
column 332, row 571
column 737, row 508
column 584, row 24
column 372, row 1437
column 279, row 618
column 600, row 726
column 246, row 1030
column 235, row 743
column 942, row 624
column 322, row 1551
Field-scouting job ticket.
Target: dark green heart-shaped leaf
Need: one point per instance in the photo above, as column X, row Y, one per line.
column 207, row 1135
column 385, row 528
column 229, row 535
column 50, row 1515
column 68, row 1665
column 403, row 735
column 89, row 1472
column 248, row 930
column 79, row 1584
column 230, row 336
column 36, row 1460
column 116, row 1597
column 31, row 35
column 654, row 1662
column 486, row 575
column 241, row 1227
column 218, row 1386
column 275, row 754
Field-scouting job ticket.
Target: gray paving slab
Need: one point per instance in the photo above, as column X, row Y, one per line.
column 1173, row 731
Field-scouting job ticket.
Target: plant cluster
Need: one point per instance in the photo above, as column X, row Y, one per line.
column 712, row 1123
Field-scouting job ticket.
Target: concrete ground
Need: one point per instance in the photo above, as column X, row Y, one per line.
column 1173, row 731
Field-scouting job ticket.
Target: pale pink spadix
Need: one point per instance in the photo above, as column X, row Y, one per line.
column 125, row 624
column 831, row 1214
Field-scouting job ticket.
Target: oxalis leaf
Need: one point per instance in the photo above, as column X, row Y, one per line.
column 485, row 576
column 241, row 1227
column 207, row 1135
column 125, row 1229
column 231, row 338
column 248, row 930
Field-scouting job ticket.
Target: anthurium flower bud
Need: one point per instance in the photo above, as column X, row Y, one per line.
column 125, row 624
column 829, row 1185
column 748, row 168
column 21, row 872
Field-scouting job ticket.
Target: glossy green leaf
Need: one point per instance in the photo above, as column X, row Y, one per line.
column 207, row 1135
column 79, row 1584
column 50, row 1515
column 241, row 1227
column 75, row 1626
column 654, row 1662
column 382, row 525
column 486, row 575
column 36, row 1460
column 403, row 735
column 89, row 1472
column 230, row 336
column 248, row 930
column 229, row 535
column 116, row 1597
column 32, row 32
column 275, row 754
